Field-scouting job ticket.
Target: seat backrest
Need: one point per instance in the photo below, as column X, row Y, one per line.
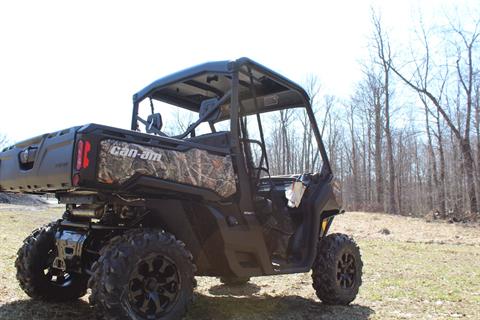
column 215, row 139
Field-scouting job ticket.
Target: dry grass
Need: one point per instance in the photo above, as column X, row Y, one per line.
column 419, row 271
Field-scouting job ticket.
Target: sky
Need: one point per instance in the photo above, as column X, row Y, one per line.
column 65, row 63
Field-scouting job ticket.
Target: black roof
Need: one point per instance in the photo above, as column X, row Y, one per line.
column 189, row 87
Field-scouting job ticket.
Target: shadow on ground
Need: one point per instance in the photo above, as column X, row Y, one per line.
column 240, row 290
column 270, row 307
column 205, row 307
column 37, row 310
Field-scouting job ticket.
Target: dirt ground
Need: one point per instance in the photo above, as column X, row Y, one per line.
column 412, row 270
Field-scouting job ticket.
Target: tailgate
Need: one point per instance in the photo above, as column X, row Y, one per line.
column 40, row 164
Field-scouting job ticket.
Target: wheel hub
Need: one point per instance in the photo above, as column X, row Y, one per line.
column 151, row 284
column 346, row 271
column 57, row 277
column 154, row 286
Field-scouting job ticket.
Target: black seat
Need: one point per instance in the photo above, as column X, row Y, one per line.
column 215, row 139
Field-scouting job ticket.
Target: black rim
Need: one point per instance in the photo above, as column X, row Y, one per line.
column 346, row 271
column 154, row 286
column 55, row 276
column 58, row 277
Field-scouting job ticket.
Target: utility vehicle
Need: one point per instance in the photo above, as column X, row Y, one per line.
column 147, row 209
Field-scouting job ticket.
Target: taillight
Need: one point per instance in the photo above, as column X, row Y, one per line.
column 79, row 155
column 87, row 149
column 83, row 149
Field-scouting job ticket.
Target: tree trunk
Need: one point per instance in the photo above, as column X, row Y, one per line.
column 441, row 194
column 432, row 163
column 369, row 161
column 469, row 173
column 378, row 154
column 477, row 130
column 392, row 208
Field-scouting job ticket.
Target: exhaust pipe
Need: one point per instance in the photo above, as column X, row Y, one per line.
column 86, row 211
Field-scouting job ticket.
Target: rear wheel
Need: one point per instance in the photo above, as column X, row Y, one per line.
column 337, row 270
column 143, row 274
column 36, row 275
column 234, row 281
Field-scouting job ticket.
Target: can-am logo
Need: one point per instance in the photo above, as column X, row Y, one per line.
column 134, row 153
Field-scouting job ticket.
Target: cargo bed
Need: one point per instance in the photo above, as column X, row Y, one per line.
column 49, row 164
column 40, row 164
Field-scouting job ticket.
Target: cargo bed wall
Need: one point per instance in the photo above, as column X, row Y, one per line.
column 41, row 164
column 135, row 163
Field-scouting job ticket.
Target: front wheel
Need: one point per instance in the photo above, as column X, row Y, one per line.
column 337, row 270
column 143, row 274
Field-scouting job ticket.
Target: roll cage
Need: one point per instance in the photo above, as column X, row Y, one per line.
column 232, row 90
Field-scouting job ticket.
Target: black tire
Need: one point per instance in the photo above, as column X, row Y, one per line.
column 234, row 281
column 337, row 270
column 143, row 274
column 35, row 274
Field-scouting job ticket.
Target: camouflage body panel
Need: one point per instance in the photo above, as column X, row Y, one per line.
column 119, row 161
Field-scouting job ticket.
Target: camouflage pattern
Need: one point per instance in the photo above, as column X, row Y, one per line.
column 119, row 161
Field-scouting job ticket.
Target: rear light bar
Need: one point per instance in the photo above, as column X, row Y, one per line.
column 79, row 155
column 83, row 149
column 86, row 151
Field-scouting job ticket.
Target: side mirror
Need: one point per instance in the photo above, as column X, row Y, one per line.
column 154, row 123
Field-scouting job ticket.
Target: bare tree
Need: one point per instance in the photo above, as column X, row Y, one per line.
column 312, row 87
column 442, row 170
column 382, row 45
column 354, row 159
column 477, row 128
column 430, row 161
column 435, row 201
column 464, row 65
